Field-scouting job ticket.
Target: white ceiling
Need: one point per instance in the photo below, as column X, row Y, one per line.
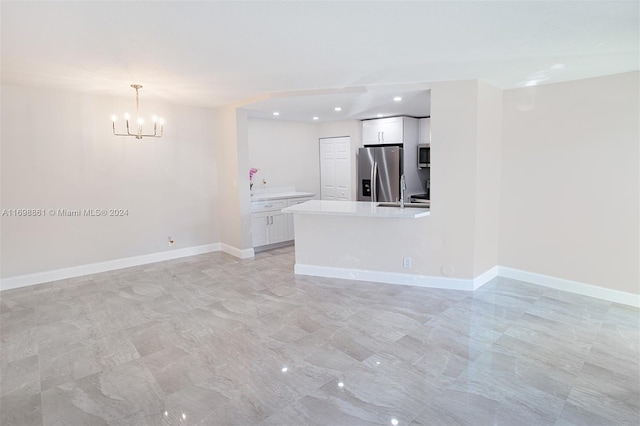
column 304, row 58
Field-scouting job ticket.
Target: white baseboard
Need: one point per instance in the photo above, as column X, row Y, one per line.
column 471, row 284
column 485, row 277
column 392, row 277
column 571, row 286
column 331, row 272
column 242, row 254
column 110, row 265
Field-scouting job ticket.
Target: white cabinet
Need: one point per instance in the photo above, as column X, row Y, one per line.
column 259, row 229
column 278, row 230
column 424, row 130
column 269, row 228
column 370, row 132
column 293, row 202
column 268, row 223
column 393, row 130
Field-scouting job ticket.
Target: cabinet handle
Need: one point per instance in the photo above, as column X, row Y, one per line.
column 268, row 205
column 272, row 220
column 267, row 220
column 382, row 136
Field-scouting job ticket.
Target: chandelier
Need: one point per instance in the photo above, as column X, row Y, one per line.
column 138, row 130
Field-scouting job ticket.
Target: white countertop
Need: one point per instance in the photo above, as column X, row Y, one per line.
column 355, row 208
column 279, row 195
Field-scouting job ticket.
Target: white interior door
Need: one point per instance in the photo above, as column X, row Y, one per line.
column 335, row 168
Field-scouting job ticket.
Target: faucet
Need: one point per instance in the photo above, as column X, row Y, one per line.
column 403, row 186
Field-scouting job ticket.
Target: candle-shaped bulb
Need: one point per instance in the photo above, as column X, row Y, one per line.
column 140, row 121
column 155, row 118
column 114, row 118
column 161, row 120
column 127, row 116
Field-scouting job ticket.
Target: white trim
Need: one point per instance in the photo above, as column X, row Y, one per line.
column 562, row 284
column 234, row 251
column 386, row 277
column 109, row 265
column 485, row 277
column 611, row 295
column 470, row 285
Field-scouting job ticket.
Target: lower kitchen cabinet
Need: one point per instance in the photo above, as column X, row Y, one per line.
column 269, row 228
column 269, row 225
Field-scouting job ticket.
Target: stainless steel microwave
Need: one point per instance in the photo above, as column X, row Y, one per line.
column 424, row 155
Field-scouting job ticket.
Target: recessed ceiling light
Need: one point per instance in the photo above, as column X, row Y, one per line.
column 338, row 109
column 276, row 113
column 315, row 118
column 397, row 99
column 379, row 115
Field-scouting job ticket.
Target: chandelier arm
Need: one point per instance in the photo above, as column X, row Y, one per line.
column 122, row 134
column 150, row 135
column 155, row 132
column 138, row 134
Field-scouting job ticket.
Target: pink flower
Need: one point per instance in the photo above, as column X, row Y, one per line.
column 252, row 171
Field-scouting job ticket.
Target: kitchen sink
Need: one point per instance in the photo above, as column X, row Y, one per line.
column 407, row 205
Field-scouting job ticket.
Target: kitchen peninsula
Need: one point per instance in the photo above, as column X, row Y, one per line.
column 356, row 240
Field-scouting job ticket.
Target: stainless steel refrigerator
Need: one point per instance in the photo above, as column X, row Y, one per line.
column 379, row 171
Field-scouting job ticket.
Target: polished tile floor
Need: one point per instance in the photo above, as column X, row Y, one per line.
column 213, row 340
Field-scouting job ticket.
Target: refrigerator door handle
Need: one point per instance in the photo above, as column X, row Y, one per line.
column 374, row 183
column 371, row 185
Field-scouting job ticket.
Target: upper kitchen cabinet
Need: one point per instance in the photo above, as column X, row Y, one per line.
column 424, row 130
column 393, row 130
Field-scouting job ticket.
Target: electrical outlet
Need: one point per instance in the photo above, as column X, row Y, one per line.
column 406, row 262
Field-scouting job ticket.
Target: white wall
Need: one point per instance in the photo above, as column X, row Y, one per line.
column 58, row 153
column 570, row 203
column 286, row 152
column 454, row 115
column 232, row 150
column 488, row 165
